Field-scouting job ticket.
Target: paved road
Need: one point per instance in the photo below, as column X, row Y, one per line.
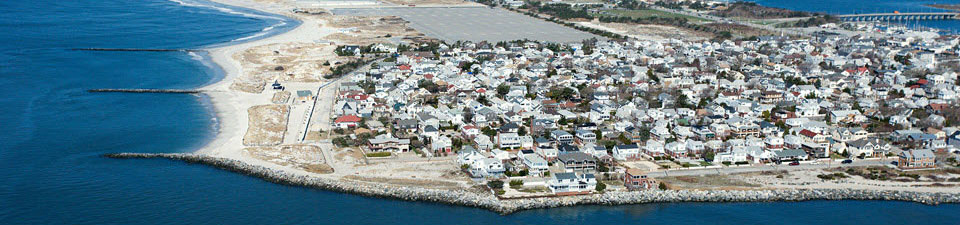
column 770, row 167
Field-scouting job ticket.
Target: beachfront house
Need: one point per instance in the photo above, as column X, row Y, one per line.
column 636, row 179
column 572, row 183
column 916, row 159
column 487, row 167
column 386, row 142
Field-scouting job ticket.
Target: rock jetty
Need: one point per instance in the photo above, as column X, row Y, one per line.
column 490, row 202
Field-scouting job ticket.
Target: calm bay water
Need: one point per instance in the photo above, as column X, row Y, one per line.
column 52, row 133
column 871, row 6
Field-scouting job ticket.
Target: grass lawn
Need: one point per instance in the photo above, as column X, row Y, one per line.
column 758, row 21
column 642, row 13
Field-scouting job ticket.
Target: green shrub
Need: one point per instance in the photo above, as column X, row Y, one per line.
column 516, row 183
column 378, row 154
column 495, row 184
column 601, row 186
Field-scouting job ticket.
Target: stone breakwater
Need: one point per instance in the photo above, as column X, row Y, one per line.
column 490, row 202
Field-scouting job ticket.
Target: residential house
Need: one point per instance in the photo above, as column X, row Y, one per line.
column 635, row 179
column 572, row 183
column 916, row 159
column 387, row 142
column 626, row 152
column 577, row 162
column 348, row 121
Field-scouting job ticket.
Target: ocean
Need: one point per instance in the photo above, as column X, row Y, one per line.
column 52, row 133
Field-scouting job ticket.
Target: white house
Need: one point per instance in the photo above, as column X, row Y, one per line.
column 572, row 183
column 487, row 167
column 626, row 152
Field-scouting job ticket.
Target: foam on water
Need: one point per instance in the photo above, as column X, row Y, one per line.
column 280, row 21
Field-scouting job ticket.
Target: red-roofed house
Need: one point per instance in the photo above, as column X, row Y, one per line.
column 470, row 131
column 815, row 144
column 348, row 121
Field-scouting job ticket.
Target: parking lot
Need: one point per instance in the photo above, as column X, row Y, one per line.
column 452, row 24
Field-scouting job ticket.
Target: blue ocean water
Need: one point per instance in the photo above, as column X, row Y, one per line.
column 52, row 132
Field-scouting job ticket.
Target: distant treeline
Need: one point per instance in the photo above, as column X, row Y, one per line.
column 563, row 11
column 814, row 21
column 754, row 11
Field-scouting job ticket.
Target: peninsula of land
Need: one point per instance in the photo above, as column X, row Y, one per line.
column 562, row 104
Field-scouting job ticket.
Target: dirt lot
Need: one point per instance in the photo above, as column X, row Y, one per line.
column 267, row 125
column 440, row 173
column 305, row 157
column 366, row 30
column 285, row 62
column 708, row 182
column 425, row 183
column 281, row 97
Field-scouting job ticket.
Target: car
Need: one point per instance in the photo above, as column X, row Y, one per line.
column 846, row 161
column 794, row 163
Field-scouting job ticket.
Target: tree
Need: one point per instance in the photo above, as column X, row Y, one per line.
column 601, row 186
column 623, row 139
column 467, row 115
column 663, row 186
column 522, row 131
column 683, row 101
column 489, row 132
column 703, row 103
column 502, row 90
column 652, row 77
column 598, row 134
column 561, row 93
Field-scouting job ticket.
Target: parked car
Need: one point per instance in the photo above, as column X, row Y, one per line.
column 846, row 161
column 794, row 163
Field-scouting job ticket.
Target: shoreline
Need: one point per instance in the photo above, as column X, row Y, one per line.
column 230, row 109
column 504, row 207
column 224, row 150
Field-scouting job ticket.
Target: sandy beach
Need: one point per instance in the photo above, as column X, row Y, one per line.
column 231, row 105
